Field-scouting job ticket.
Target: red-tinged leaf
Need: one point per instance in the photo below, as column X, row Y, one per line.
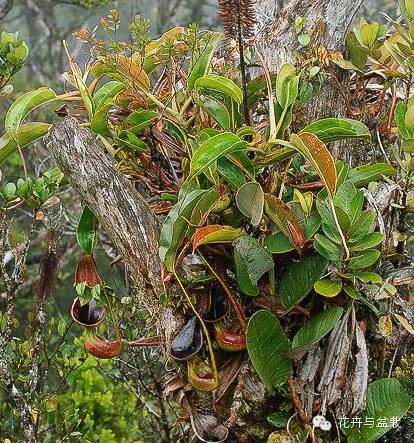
column 280, row 214
column 215, row 234
column 318, row 156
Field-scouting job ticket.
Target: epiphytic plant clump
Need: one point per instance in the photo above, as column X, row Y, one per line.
column 268, row 243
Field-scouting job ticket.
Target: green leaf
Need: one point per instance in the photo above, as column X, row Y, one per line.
column 399, row 117
column 386, row 400
column 83, row 89
column 299, row 278
column 266, row 345
column 257, row 88
column 409, row 6
column 369, row 241
column 362, row 175
column 358, row 55
column 304, row 39
column 318, row 156
column 334, row 129
column 86, row 232
column 234, row 167
column 213, row 82
column 61, row 327
column 202, row 209
column 106, row 93
column 175, row 226
column 139, row 120
column 25, row 135
column 252, row 262
column 314, row 330
column 25, row 104
column 250, row 201
column 212, row 149
column 327, row 287
column 328, row 249
column 364, row 259
column 279, row 243
column 287, row 83
column 216, row 234
column 369, row 277
column 201, row 66
column 131, row 141
column 350, row 201
column 9, row 192
column 361, row 226
column 216, row 110
column 306, row 92
column 99, row 122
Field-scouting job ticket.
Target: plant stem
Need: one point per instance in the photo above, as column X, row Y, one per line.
column 339, row 229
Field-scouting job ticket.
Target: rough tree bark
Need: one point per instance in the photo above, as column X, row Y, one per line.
column 121, row 210
column 329, row 20
column 278, row 40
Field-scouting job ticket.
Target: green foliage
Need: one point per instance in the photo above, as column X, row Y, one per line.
column 13, row 54
column 386, row 399
column 267, row 344
column 37, row 193
column 94, row 406
column 268, row 212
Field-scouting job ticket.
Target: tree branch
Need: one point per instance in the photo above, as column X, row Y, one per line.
column 121, row 210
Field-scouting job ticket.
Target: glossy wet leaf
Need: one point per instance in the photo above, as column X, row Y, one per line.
column 279, row 243
column 327, row 248
column 233, row 168
column 362, row 225
column 218, row 83
column 175, row 226
column 333, row 129
column 212, row 149
column 287, row 83
column 139, row 120
column 106, row 93
column 250, row 201
column 86, row 231
column 252, row 262
column 99, row 122
column 314, row 330
column 369, row 241
column 201, row 210
column 327, row 287
column 24, row 105
column 129, row 140
column 215, row 234
column 364, row 259
column 267, row 344
column 362, row 175
column 216, row 110
column 201, row 65
column 26, row 134
column 349, row 199
column 299, row 278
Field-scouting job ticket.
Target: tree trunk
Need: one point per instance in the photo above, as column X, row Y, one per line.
column 328, row 22
column 119, row 207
